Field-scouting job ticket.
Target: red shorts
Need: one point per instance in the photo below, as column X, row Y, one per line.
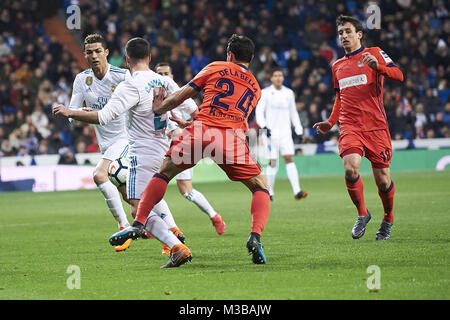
column 228, row 148
column 374, row 145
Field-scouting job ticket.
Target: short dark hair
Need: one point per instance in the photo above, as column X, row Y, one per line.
column 137, row 48
column 275, row 69
column 242, row 47
column 341, row 20
column 94, row 38
column 162, row 64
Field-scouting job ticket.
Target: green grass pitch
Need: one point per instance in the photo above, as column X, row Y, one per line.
column 310, row 252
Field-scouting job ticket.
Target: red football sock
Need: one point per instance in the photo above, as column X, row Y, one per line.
column 356, row 191
column 387, row 198
column 260, row 209
column 153, row 193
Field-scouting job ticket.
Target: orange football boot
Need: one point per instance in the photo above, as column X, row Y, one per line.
column 123, row 246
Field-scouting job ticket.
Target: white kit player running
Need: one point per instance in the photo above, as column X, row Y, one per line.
column 92, row 89
column 276, row 112
column 183, row 115
column 147, row 140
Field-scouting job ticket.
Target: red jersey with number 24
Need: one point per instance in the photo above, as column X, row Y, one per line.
column 230, row 94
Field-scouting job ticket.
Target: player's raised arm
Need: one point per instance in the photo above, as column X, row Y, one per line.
column 161, row 105
column 80, row 115
column 124, row 97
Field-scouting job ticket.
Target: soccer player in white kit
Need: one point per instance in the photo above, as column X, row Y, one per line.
column 184, row 179
column 92, row 89
column 276, row 112
column 147, row 140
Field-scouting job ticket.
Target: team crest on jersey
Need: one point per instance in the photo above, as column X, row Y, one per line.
column 360, row 63
column 89, row 81
column 113, row 87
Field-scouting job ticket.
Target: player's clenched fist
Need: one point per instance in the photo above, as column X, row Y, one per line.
column 370, row 60
column 322, row 127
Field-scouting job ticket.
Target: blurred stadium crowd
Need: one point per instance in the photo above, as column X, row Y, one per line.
column 298, row 35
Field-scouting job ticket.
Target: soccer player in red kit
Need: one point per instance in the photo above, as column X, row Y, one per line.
column 358, row 81
column 230, row 93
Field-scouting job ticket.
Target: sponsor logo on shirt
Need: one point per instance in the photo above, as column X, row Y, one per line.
column 385, row 57
column 352, row 81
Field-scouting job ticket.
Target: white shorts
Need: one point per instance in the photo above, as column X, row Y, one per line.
column 143, row 167
column 283, row 146
column 117, row 150
column 185, row 175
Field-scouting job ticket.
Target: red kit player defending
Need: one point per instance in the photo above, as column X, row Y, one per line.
column 230, row 93
column 358, row 81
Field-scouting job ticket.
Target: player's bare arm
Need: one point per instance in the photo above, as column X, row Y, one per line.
column 322, row 127
column 162, row 105
column 181, row 123
column 80, row 115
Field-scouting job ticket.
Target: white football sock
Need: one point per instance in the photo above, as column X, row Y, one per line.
column 292, row 173
column 271, row 172
column 162, row 210
column 160, row 230
column 199, row 199
column 114, row 202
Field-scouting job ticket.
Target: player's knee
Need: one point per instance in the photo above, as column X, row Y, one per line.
column 384, row 183
column 184, row 188
column 258, row 182
column 351, row 173
column 287, row 159
column 100, row 176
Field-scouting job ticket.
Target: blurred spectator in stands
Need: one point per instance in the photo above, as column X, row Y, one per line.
column 66, row 156
column 446, row 114
column 431, row 103
column 40, row 121
column 421, row 118
column 198, row 61
column 4, row 48
column 116, row 59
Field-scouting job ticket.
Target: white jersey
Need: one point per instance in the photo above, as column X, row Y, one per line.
column 135, row 96
column 95, row 94
column 185, row 110
column 276, row 110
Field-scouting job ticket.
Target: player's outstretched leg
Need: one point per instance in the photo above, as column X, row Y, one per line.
column 123, row 246
column 177, row 232
column 260, row 209
column 195, row 196
column 131, row 232
column 179, row 255
column 200, row 200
